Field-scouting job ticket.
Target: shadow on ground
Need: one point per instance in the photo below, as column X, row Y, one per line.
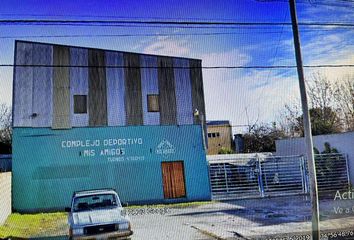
column 39, row 238
column 276, row 210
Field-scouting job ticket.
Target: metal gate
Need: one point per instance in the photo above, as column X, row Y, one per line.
column 332, row 173
column 262, row 175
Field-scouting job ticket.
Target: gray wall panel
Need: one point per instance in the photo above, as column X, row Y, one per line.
column 133, row 98
column 167, row 94
column 78, row 83
column 198, row 95
column 115, row 89
column 23, row 81
column 42, row 86
column 61, row 88
column 97, row 98
column 183, row 91
column 197, row 87
column 149, row 85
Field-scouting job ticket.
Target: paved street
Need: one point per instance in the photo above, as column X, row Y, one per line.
column 241, row 219
column 237, row 219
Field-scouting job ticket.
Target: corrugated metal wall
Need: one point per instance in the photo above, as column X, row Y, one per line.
column 78, row 83
column 116, row 96
column 61, row 88
column 115, row 89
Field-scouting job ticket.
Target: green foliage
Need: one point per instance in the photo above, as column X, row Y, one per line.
column 326, row 166
column 261, row 138
column 331, row 105
column 225, row 150
column 34, row 225
column 323, row 121
column 328, row 149
column 316, row 151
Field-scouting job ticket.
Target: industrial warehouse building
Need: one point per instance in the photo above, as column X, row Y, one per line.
column 88, row 118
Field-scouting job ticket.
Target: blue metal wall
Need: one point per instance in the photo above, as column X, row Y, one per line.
column 48, row 165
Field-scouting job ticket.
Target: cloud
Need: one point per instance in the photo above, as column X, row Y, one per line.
column 230, row 58
column 6, row 86
column 167, row 46
column 333, row 49
column 230, row 99
column 233, row 57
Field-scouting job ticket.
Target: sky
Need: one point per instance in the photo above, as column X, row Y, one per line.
column 243, row 96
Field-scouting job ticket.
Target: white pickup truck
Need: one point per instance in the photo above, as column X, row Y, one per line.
column 98, row 214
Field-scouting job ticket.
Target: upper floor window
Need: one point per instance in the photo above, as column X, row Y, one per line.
column 80, row 104
column 153, row 102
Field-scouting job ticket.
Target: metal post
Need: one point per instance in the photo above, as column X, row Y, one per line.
column 225, row 175
column 307, row 125
column 348, row 173
column 260, row 177
column 303, row 175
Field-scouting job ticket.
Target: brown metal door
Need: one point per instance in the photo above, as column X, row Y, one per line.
column 173, row 179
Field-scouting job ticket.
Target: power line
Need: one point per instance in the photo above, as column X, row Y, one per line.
column 154, row 34
column 274, row 60
column 117, row 17
column 315, row 3
column 152, row 22
column 136, row 35
column 177, row 67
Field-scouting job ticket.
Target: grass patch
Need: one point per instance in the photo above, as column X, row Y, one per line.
column 55, row 224
column 173, row 205
column 34, row 225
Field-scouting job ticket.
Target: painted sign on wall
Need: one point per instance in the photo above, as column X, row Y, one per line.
column 48, row 165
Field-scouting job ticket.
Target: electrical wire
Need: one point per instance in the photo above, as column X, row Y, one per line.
column 177, row 67
column 168, row 23
column 158, row 34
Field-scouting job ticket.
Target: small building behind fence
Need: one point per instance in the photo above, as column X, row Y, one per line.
column 219, row 136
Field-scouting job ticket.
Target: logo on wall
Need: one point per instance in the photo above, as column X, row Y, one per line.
column 165, row 147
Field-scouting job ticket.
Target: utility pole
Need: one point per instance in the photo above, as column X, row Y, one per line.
column 307, row 126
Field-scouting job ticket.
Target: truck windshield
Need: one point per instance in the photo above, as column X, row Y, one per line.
column 96, row 201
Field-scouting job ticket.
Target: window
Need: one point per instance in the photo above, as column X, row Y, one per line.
column 213, row 135
column 80, row 104
column 153, row 103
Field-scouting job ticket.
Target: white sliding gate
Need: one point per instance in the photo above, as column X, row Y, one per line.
column 261, row 175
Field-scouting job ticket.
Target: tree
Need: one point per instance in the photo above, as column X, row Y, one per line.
column 261, row 138
column 5, row 129
column 344, row 95
column 323, row 121
column 331, row 107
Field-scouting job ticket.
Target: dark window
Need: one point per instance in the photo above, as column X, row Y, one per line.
column 153, row 103
column 217, row 134
column 80, row 104
column 213, row 135
column 209, row 135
